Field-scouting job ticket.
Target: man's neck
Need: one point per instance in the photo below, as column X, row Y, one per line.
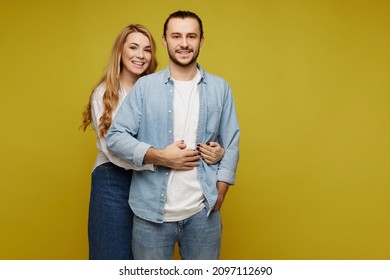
column 182, row 73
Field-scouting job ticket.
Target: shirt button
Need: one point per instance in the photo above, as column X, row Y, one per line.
column 170, row 132
column 166, row 173
column 169, row 111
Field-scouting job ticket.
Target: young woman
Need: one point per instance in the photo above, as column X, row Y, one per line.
column 110, row 217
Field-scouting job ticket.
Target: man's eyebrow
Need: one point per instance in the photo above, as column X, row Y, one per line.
column 178, row 33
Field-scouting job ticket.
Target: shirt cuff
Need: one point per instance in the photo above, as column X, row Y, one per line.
column 226, row 176
column 139, row 153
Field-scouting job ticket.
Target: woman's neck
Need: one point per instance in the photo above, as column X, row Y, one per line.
column 127, row 81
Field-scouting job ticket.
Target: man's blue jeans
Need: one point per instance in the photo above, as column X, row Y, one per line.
column 110, row 221
column 198, row 237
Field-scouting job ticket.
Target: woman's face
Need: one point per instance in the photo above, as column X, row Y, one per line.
column 136, row 53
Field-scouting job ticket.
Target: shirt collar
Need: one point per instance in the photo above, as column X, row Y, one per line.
column 167, row 75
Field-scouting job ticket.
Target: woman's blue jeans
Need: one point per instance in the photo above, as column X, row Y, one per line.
column 110, row 221
column 198, row 237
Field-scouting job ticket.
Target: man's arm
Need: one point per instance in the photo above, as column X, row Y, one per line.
column 229, row 135
column 222, row 188
column 174, row 156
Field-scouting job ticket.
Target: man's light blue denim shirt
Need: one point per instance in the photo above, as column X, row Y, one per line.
column 145, row 119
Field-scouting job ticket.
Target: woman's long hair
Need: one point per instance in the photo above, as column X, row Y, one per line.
column 111, row 77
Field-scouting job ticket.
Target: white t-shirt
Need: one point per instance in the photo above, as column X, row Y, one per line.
column 184, row 193
column 97, row 109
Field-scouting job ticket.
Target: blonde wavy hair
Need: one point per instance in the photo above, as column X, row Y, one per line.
column 111, row 77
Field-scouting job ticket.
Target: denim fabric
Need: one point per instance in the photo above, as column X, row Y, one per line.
column 199, row 238
column 145, row 119
column 110, row 221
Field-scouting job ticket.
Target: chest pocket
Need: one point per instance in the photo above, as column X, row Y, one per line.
column 213, row 119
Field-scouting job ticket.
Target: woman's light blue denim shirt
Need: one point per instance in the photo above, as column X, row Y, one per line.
column 146, row 119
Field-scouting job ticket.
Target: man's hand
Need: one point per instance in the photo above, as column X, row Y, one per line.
column 174, row 156
column 222, row 188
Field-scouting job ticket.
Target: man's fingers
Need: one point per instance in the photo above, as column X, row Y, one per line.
column 180, row 144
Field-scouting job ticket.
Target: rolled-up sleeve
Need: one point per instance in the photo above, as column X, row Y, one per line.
column 121, row 137
column 229, row 137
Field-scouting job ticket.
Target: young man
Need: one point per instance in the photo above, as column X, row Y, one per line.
column 162, row 121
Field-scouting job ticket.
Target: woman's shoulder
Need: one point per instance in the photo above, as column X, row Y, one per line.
column 98, row 92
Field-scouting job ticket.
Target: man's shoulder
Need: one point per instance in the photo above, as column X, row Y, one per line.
column 214, row 78
column 216, row 83
column 154, row 77
column 210, row 77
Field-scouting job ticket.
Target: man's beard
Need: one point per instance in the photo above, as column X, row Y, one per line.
column 176, row 61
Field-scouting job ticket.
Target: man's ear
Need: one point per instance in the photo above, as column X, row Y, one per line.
column 201, row 41
column 164, row 41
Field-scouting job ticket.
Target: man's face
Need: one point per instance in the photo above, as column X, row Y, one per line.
column 183, row 41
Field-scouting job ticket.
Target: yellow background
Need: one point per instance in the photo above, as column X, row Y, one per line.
column 311, row 84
